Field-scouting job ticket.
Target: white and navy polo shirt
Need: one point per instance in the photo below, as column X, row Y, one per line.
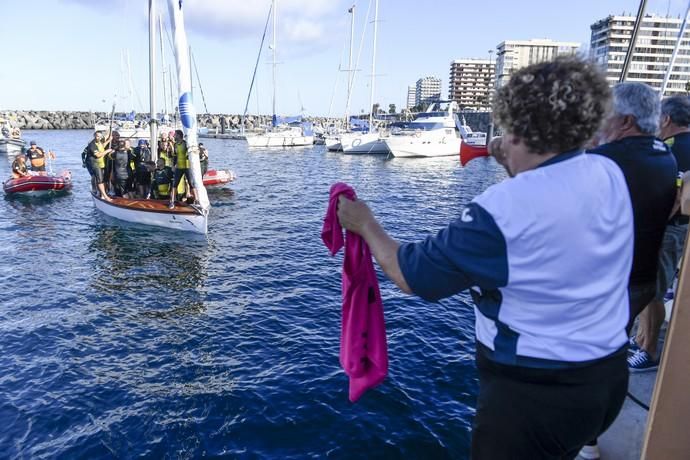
column 547, row 255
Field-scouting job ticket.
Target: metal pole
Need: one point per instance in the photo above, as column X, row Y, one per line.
column 275, row 14
column 349, row 68
column 667, row 77
column 490, row 130
column 373, row 67
column 152, row 79
column 160, row 39
column 633, row 41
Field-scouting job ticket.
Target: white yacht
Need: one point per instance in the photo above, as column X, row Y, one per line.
column 433, row 133
column 281, row 136
column 360, row 142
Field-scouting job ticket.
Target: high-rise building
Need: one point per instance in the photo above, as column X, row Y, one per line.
column 471, row 83
column 515, row 54
column 656, row 39
column 411, row 95
column 428, row 89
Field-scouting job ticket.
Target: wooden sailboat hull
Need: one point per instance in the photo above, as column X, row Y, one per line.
column 155, row 213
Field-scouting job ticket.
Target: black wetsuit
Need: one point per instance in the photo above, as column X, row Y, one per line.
column 142, row 175
column 121, row 171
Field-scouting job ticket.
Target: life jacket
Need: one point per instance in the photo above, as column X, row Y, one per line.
column 181, row 152
column 18, row 168
column 121, row 164
column 165, row 155
column 163, row 182
column 37, row 158
column 99, row 162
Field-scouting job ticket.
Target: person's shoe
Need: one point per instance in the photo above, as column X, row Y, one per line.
column 640, row 361
column 633, row 346
column 670, row 294
column 590, row 452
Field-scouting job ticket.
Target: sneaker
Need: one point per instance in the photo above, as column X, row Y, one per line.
column 640, row 361
column 670, row 294
column 633, row 346
column 590, row 452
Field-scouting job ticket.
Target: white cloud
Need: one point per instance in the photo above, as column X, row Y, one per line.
column 304, row 24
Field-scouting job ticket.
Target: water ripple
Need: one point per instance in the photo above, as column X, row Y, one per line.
column 119, row 341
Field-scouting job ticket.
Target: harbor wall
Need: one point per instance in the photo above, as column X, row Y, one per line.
column 41, row 119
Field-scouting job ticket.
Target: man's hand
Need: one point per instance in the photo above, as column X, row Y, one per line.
column 354, row 215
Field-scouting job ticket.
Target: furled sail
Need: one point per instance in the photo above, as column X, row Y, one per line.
column 186, row 104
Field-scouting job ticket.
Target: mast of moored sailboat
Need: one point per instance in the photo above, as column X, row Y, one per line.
column 152, row 80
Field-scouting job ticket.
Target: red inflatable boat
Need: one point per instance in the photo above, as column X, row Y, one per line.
column 215, row 177
column 39, row 185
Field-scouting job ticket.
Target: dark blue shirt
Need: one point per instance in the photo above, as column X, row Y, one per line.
column 680, row 146
column 650, row 172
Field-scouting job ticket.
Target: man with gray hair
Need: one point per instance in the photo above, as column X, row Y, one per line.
column 674, row 128
column 629, row 136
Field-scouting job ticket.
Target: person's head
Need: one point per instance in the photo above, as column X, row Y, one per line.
column 122, row 145
column 98, row 135
column 675, row 116
column 635, row 112
column 160, row 163
column 32, row 145
column 141, row 143
column 179, row 135
column 116, row 136
column 20, row 158
column 549, row 108
column 128, row 144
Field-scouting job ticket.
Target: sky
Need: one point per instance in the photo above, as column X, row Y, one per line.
column 72, row 54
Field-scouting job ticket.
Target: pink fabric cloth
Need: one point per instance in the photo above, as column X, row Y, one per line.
column 363, row 348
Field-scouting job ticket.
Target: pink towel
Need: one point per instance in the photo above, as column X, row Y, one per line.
column 363, row 349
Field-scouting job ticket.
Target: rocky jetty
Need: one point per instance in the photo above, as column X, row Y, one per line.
column 41, row 119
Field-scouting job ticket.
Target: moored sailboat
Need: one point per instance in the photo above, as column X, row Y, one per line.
column 161, row 213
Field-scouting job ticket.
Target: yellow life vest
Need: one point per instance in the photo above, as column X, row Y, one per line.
column 164, row 190
column 181, row 151
column 167, row 158
column 100, row 162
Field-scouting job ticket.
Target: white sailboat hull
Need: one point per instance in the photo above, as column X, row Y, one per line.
column 11, row 146
column 363, row 143
column 410, row 146
column 333, row 143
column 186, row 222
column 278, row 140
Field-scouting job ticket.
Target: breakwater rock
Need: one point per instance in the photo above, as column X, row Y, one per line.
column 41, row 119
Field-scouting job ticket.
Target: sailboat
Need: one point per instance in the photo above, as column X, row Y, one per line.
column 284, row 132
column 159, row 213
column 369, row 140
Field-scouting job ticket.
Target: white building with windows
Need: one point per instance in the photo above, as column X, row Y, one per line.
column 512, row 55
column 471, row 83
column 411, row 95
column 655, row 41
column 428, row 89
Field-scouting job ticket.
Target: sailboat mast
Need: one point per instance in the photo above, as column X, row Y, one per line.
column 373, row 67
column 349, row 68
column 160, row 40
column 633, row 40
column 667, row 77
column 152, row 79
column 275, row 11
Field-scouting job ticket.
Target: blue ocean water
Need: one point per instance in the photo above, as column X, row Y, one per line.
column 121, row 341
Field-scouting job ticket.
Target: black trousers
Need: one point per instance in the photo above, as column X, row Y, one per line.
column 528, row 413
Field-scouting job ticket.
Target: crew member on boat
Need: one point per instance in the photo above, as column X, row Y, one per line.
column 181, row 162
column 19, row 169
column 163, row 176
column 37, row 157
column 166, row 150
column 96, row 153
column 142, row 168
column 111, row 143
column 121, row 169
column 203, row 159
